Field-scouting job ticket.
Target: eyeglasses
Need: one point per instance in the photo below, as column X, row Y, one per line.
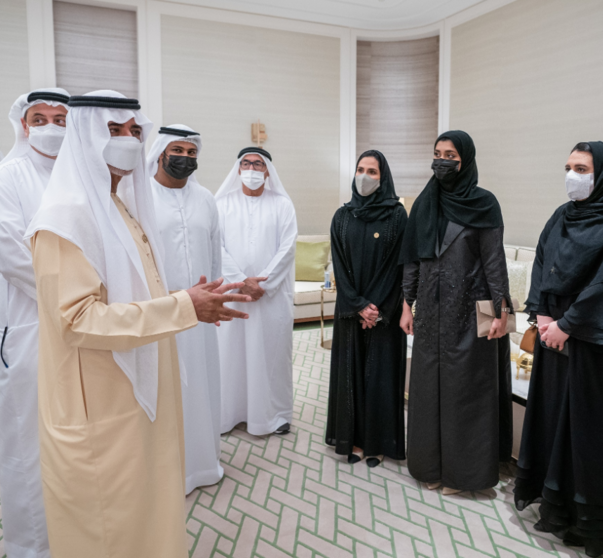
column 257, row 165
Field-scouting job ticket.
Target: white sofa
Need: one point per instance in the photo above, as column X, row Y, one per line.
column 307, row 293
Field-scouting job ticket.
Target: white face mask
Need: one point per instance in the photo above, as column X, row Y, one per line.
column 366, row 185
column 579, row 186
column 252, row 179
column 123, row 153
column 47, row 139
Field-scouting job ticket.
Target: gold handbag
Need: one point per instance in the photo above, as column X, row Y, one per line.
column 484, row 310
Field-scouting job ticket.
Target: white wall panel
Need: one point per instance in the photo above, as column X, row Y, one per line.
column 221, row 77
column 527, row 84
column 397, row 107
column 14, row 63
column 95, row 48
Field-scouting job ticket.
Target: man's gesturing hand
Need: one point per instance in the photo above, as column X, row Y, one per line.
column 209, row 299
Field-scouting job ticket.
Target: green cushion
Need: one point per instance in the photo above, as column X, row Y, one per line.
column 311, row 260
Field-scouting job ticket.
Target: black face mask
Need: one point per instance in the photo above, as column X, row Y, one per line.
column 446, row 172
column 179, row 166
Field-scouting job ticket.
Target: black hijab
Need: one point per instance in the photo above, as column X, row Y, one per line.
column 382, row 201
column 464, row 203
column 575, row 243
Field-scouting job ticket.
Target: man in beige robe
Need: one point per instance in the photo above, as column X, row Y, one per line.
column 111, row 433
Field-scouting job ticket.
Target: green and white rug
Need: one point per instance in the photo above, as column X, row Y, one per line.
column 293, row 496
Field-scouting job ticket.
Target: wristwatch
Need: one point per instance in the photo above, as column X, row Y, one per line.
column 506, row 310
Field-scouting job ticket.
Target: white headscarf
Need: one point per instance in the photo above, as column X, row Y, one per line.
column 233, row 182
column 161, row 143
column 77, row 206
column 18, row 110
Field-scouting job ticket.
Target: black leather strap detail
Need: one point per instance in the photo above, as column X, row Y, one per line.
column 47, row 96
column 177, row 132
column 2, row 346
column 104, row 102
column 258, row 150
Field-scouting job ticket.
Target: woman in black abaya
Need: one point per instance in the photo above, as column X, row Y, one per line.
column 561, row 458
column 459, row 408
column 368, row 362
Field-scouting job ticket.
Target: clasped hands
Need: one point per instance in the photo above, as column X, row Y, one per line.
column 551, row 333
column 209, row 299
column 251, row 287
column 369, row 316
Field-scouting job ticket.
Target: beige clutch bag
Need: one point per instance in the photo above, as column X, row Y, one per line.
column 484, row 310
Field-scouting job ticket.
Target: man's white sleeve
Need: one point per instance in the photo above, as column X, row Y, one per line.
column 230, row 269
column 279, row 267
column 15, row 256
column 216, row 244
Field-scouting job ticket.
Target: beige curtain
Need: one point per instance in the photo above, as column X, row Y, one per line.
column 95, row 48
column 397, row 107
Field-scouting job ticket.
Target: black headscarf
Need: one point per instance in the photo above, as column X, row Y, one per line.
column 576, row 242
column 464, row 203
column 382, row 201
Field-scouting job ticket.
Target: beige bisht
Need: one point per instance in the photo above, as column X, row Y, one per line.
column 111, row 433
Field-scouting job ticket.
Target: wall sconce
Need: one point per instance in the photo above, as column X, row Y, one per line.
column 258, row 133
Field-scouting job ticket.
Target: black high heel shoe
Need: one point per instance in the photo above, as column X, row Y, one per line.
column 374, row 461
column 355, row 457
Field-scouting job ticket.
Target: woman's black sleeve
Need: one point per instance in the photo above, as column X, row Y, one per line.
column 494, row 262
column 535, row 298
column 410, row 282
column 349, row 302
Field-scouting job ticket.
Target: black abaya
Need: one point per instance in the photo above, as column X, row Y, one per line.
column 366, row 393
column 459, row 408
column 561, row 459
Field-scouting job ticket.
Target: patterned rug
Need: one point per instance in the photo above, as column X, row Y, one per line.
column 293, row 496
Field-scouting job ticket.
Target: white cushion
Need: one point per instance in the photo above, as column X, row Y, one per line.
column 526, row 254
column 510, row 252
column 308, row 292
column 522, row 322
column 308, row 286
column 519, row 280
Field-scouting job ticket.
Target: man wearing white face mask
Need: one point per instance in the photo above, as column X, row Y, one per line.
column 259, row 230
column 38, row 119
column 110, row 405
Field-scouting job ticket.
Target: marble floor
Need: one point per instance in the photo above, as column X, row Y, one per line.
column 292, row 496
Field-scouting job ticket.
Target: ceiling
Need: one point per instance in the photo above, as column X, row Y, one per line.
column 360, row 14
